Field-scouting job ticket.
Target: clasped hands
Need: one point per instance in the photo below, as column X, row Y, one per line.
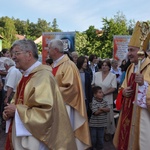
column 128, row 92
column 9, row 111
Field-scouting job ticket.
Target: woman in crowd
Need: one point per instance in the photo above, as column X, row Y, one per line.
column 93, row 63
column 99, row 64
column 6, row 53
column 123, row 63
column 82, row 63
column 108, row 82
column 124, row 71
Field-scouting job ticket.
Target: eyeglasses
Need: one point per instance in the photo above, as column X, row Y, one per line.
column 17, row 53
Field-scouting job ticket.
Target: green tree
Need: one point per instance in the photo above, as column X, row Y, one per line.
column 32, row 29
column 88, row 42
column 39, row 47
column 36, row 29
column 21, row 26
column 81, row 43
column 42, row 26
column 111, row 27
column 131, row 25
column 8, row 31
column 55, row 26
column 93, row 41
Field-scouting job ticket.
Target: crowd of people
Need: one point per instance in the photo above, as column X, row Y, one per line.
column 69, row 102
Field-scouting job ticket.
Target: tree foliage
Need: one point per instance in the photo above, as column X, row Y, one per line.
column 91, row 41
column 81, row 43
column 7, row 30
column 100, row 41
column 111, row 27
column 9, row 27
column 21, row 26
column 55, row 26
column 36, row 29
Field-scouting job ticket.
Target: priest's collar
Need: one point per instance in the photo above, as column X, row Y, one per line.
column 28, row 71
column 56, row 61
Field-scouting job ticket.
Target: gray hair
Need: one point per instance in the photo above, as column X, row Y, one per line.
column 58, row 44
column 26, row 45
column 114, row 61
column 74, row 54
column 9, row 62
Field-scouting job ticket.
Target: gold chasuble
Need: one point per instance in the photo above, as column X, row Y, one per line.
column 42, row 110
column 19, row 100
column 141, row 130
column 68, row 79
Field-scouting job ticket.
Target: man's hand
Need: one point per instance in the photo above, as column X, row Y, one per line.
column 5, row 117
column 139, row 79
column 6, row 101
column 128, row 92
column 9, row 111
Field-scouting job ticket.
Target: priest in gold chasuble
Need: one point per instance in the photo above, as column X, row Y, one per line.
column 37, row 114
column 68, row 79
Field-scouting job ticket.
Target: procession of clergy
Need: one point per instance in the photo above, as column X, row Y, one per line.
column 69, row 104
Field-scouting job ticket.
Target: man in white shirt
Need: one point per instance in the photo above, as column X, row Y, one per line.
column 12, row 78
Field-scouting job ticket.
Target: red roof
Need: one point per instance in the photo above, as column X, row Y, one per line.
column 20, row 37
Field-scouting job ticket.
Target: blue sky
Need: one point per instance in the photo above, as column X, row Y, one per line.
column 75, row 15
